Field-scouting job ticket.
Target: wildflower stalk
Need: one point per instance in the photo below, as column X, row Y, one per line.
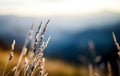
column 116, row 43
column 91, row 71
column 5, row 67
column 109, row 69
column 39, row 43
column 10, row 57
column 97, row 58
column 37, row 34
column 23, row 52
column 12, row 70
column 38, row 61
column 25, row 66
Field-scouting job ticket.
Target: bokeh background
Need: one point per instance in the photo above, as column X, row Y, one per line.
column 74, row 26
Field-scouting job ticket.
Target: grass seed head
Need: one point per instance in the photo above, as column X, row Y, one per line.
column 11, row 51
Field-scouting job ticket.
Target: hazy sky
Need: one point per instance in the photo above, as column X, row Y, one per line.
column 56, row 7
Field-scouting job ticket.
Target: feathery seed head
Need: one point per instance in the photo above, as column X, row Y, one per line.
column 13, row 45
column 11, row 51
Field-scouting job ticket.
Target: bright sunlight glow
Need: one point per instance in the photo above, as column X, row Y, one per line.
column 56, row 7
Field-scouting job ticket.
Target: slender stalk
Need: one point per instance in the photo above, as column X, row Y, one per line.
column 20, row 58
column 37, row 34
column 12, row 70
column 5, row 67
column 91, row 71
column 23, row 52
column 10, row 57
column 115, row 41
column 109, row 69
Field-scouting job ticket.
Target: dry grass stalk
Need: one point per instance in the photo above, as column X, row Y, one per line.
column 39, row 46
column 118, row 63
column 24, row 50
column 46, row 74
column 41, row 37
column 38, row 60
column 12, row 70
column 118, row 47
column 109, row 69
column 92, row 48
column 116, row 43
column 96, row 74
column 37, row 34
column 26, row 62
column 97, row 59
column 91, row 71
column 10, row 57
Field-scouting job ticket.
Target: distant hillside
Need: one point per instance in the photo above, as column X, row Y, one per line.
column 68, row 41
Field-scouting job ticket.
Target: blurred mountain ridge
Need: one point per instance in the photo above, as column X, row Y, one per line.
column 67, row 45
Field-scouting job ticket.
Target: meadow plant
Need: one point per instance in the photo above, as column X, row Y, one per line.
column 118, row 47
column 36, row 62
column 10, row 57
column 116, row 43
